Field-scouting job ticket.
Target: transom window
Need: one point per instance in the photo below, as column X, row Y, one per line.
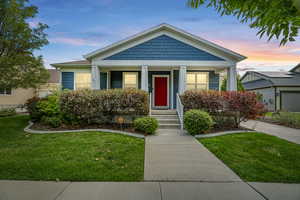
column 5, row 91
column 83, row 80
column 130, row 79
column 197, row 80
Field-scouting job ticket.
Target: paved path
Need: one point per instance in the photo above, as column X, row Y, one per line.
column 170, row 156
column 35, row 190
column 290, row 134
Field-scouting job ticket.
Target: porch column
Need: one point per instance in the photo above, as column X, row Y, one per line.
column 231, row 78
column 144, row 78
column 95, row 77
column 182, row 79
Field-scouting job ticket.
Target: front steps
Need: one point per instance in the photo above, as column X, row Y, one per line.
column 167, row 119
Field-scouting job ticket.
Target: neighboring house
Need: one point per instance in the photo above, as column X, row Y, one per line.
column 163, row 60
column 18, row 97
column 279, row 90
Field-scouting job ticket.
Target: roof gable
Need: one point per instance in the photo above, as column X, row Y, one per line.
column 163, row 47
column 198, row 42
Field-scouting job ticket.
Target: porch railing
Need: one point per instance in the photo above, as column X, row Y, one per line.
column 150, row 103
column 179, row 110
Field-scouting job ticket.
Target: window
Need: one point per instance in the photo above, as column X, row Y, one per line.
column 197, row 80
column 130, row 79
column 83, row 80
column 4, row 91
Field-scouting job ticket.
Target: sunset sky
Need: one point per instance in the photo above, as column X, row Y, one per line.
column 80, row 26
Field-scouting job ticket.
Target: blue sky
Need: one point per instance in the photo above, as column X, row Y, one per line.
column 80, row 26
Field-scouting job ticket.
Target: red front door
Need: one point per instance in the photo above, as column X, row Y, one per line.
column 160, row 91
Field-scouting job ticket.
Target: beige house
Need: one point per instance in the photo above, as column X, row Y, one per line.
column 15, row 98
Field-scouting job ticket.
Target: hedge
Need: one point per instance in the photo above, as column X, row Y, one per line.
column 238, row 105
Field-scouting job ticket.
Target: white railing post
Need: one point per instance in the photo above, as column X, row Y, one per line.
column 179, row 110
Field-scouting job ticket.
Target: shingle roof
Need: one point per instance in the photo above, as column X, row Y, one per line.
column 272, row 74
column 260, row 83
column 77, row 62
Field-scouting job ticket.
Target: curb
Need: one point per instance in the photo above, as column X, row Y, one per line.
column 28, row 130
column 222, row 133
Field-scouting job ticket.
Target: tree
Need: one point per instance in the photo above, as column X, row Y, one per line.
column 240, row 86
column 273, row 18
column 19, row 67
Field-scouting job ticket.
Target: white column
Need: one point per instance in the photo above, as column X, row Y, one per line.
column 231, row 78
column 95, row 77
column 182, row 79
column 144, row 78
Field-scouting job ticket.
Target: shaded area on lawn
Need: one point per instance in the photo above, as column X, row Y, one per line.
column 89, row 156
column 257, row 157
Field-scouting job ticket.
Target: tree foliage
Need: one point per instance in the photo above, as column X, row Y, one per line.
column 19, row 67
column 278, row 19
column 240, row 86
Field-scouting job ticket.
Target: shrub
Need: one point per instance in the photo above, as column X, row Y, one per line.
column 197, row 121
column 5, row 112
column 87, row 106
column 49, row 106
column 287, row 118
column 239, row 106
column 31, row 107
column 146, row 124
column 54, row 121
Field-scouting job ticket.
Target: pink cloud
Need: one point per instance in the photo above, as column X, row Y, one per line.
column 74, row 41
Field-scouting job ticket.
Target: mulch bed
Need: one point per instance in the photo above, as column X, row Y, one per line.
column 43, row 127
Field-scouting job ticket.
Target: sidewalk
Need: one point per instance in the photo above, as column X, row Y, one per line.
column 290, row 134
column 171, row 156
column 35, row 190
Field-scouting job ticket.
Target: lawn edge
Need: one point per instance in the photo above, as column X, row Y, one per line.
column 28, row 129
column 223, row 133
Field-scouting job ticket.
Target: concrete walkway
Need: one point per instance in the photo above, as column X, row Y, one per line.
column 290, row 134
column 35, row 190
column 171, row 156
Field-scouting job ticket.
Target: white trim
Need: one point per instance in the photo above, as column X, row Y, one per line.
column 163, row 63
column 170, row 29
column 182, row 79
column 168, row 90
column 137, row 79
column 144, row 78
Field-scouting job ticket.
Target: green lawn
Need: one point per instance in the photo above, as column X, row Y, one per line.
column 257, row 156
column 85, row 156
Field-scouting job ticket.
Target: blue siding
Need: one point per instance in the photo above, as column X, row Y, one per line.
column 103, row 80
column 67, row 80
column 163, row 48
column 213, row 81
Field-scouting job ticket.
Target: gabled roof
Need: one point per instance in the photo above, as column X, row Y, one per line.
column 295, row 68
column 165, row 27
column 272, row 78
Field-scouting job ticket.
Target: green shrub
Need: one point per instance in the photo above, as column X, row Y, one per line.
column 287, row 118
column 197, row 121
column 49, row 106
column 146, row 124
column 54, row 121
column 88, row 106
column 31, row 107
column 5, row 112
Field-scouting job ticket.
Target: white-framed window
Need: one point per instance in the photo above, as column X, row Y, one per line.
column 5, row 91
column 197, row 80
column 83, row 80
column 130, row 79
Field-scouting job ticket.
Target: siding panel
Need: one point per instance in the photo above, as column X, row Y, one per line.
column 163, row 48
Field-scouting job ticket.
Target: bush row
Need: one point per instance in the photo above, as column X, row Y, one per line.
column 233, row 106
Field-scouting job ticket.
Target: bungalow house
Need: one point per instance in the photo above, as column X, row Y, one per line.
column 279, row 90
column 162, row 60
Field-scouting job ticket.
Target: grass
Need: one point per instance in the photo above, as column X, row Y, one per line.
column 84, row 156
column 290, row 119
column 257, row 156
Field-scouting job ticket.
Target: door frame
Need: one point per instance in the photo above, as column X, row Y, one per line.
column 168, row 90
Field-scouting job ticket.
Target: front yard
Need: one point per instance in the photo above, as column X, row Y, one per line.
column 85, row 156
column 257, row 157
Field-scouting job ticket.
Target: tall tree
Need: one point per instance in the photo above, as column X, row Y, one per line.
column 273, row 18
column 19, row 67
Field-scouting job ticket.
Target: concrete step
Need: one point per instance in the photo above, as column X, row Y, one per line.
column 158, row 117
column 168, row 121
column 163, row 112
column 169, row 126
